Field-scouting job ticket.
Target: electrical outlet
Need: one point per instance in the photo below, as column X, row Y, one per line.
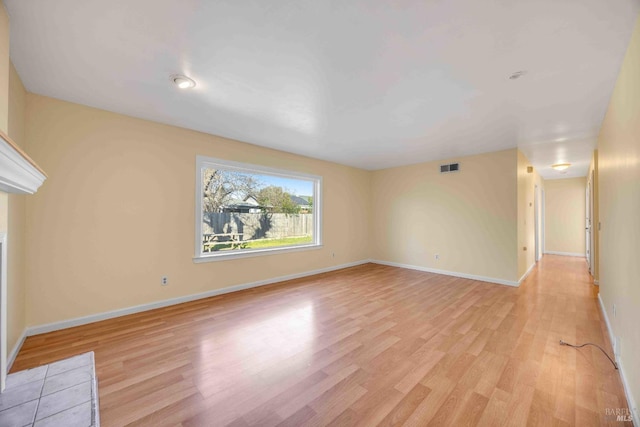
column 333, row 254
column 614, row 311
column 164, row 280
column 437, row 257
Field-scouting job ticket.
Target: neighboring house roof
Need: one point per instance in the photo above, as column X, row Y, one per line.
column 247, row 203
column 300, row 201
column 250, row 200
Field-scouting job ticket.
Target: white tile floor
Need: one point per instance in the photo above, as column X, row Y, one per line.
column 63, row 393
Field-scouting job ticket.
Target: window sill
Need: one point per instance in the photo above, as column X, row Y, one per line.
column 253, row 253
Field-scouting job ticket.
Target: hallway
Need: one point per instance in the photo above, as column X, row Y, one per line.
column 561, row 302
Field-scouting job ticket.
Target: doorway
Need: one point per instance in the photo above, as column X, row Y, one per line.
column 587, row 227
column 536, row 221
column 589, row 243
column 542, row 221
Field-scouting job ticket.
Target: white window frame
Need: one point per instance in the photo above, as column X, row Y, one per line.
column 204, row 162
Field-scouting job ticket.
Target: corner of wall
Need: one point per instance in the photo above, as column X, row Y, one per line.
column 16, row 224
column 526, row 182
column 460, row 223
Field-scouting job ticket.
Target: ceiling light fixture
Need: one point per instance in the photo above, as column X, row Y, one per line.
column 183, row 82
column 560, row 167
column 517, row 75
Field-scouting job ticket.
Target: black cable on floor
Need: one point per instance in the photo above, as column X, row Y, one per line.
column 615, row 365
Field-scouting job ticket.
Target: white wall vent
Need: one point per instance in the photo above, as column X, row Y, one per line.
column 451, row 167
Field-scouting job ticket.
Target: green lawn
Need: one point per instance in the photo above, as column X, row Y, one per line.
column 264, row 243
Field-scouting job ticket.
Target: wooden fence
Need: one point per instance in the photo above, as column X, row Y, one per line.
column 258, row 225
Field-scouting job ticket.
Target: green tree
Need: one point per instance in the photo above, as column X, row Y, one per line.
column 276, row 200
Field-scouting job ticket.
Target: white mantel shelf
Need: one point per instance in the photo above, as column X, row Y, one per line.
column 18, row 172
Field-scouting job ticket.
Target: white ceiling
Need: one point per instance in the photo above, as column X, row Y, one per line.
column 368, row 83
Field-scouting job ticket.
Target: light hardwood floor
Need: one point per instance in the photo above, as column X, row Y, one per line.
column 365, row 346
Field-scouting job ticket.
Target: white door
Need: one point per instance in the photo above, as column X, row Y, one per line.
column 542, row 222
column 591, row 241
column 536, row 221
column 588, row 225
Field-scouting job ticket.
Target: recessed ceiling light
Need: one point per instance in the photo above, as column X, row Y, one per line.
column 561, row 166
column 517, row 75
column 183, row 82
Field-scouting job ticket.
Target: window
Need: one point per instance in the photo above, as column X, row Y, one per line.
column 247, row 210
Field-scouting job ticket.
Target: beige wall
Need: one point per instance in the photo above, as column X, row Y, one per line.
column 4, row 100
column 467, row 217
column 118, row 209
column 4, row 112
column 619, row 197
column 565, row 215
column 527, row 184
column 4, row 68
column 12, row 207
column 16, row 317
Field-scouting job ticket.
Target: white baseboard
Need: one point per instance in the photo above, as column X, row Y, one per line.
column 627, row 390
column 64, row 324
column 448, row 273
column 577, row 254
column 524, row 276
column 16, row 348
